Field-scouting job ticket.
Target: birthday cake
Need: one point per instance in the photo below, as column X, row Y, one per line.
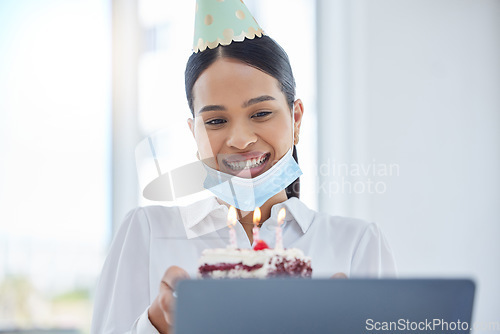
column 259, row 262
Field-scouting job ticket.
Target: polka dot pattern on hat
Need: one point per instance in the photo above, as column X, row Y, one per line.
column 221, row 22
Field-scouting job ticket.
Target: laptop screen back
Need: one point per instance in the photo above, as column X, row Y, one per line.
column 324, row 306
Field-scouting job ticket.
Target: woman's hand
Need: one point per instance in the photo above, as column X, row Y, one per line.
column 161, row 311
column 339, row 275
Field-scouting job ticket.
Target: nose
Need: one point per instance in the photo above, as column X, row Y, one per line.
column 240, row 136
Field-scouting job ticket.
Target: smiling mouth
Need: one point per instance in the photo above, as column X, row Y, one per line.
column 247, row 164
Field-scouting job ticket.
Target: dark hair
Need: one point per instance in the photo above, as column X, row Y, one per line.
column 262, row 53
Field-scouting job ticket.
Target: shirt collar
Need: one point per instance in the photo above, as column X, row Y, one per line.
column 296, row 211
column 194, row 214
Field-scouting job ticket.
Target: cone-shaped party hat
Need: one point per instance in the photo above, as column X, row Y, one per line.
column 221, row 22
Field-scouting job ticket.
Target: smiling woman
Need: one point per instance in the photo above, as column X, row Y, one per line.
column 245, row 116
column 245, row 122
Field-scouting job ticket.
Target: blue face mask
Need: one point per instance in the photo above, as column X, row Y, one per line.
column 248, row 193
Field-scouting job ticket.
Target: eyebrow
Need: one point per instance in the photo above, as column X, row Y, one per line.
column 212, row 107
column 255, row 100
column 258, row 100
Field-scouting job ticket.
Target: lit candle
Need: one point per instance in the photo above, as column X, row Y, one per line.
column 256, row 221
column 231, row 221
column 279, row 231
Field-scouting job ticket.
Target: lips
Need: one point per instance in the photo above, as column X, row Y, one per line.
column 248, row 161
column 252, row 162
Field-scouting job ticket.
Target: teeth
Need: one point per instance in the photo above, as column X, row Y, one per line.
column 247, row 164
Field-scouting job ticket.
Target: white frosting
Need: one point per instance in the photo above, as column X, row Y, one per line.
column 238, row 273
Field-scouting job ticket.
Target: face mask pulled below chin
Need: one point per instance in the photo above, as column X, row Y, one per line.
column 248, row 193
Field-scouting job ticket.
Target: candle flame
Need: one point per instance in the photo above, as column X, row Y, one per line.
column 256, row 216
column 231, row 216
column 281, row 216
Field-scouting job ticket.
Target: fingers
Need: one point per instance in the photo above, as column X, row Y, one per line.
column 168, row 284
column 173, row 275
column 339, row 276
column 167, row 302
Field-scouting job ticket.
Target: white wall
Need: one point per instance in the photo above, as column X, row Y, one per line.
column 422, row 91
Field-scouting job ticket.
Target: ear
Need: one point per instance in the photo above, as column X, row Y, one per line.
column 190, row 122
column 297, row 114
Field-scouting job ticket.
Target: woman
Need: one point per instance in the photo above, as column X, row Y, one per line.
column 245, row 119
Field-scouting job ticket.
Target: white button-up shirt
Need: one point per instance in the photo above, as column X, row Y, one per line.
column 151, row 239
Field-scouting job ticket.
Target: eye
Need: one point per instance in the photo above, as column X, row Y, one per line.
column 216, row 121
column 261, row 114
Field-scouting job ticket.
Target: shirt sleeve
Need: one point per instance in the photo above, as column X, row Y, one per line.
column 122, row 296
column 373, row 257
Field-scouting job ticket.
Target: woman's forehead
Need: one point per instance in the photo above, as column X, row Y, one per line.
column 233, row 82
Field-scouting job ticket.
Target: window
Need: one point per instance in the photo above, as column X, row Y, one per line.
column 54, row 160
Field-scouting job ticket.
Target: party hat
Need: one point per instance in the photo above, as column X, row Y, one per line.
column 221, row 22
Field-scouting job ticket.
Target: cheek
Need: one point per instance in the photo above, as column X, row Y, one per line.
column 280, row 134
column 208, row 146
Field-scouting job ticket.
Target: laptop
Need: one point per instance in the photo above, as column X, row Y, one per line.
column 350, row 306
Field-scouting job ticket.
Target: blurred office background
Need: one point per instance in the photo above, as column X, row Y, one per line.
column 401, row 127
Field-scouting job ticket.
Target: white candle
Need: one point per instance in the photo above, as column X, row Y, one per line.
column 232, row 237
column 231, row 221
column 256, row 221
column 279, row 230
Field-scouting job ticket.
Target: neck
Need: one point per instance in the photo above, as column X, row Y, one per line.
column 265, row 209
column 246, row 217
